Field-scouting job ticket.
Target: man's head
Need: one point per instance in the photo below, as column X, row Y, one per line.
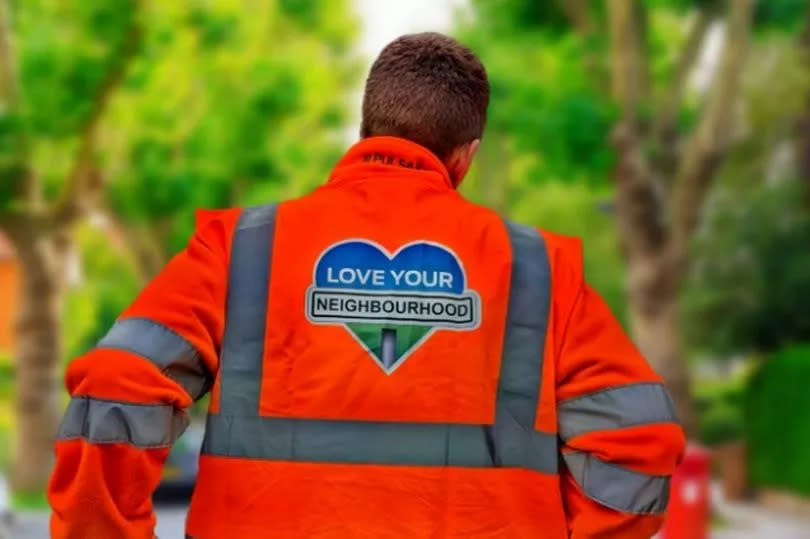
column 432, row 90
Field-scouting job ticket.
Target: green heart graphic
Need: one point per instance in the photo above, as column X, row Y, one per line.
column 406, row 338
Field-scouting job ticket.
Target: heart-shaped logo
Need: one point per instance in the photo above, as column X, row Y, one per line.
column 391, row 303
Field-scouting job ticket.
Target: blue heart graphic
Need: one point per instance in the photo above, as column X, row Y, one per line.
column 360, row 257
column 391, row 303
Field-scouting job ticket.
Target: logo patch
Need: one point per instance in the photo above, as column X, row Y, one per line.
column 391, row 303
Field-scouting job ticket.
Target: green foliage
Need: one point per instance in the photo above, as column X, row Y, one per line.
column 780, row 14
column 505, row 17
column 726, row 392
column 11, row 148
column 768, row 14
column 225, row 109
column 750, row 286
column 778, row 432
column 63, row 56
column 721, row 423
column 108, row 286
column 65, row 52
column 719, row 405
column 551, row 110
column 29, row 501
column 6, row 423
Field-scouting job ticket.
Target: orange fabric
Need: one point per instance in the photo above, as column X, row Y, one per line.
column 593, row 353
column 299, row 381
column 589, row 520
column 117, row 480
column 104, row 491
column 9, row 285
column 325, row 501
column 391, row 192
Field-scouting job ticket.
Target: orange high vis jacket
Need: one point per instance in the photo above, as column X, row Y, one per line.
column 385, row 360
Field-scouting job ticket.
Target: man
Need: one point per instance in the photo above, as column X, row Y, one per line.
column 385, row 359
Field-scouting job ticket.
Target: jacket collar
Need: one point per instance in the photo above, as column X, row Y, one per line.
column 382, row 155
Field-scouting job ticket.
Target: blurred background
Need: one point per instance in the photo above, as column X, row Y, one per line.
column 673, row 136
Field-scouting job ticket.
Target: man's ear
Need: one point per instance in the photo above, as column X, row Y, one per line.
column 459, row 161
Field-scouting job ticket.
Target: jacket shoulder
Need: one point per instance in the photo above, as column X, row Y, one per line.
column 566, row 260
column 559, row 248
column 205, row 217
column 215, row 227
column 567, row 248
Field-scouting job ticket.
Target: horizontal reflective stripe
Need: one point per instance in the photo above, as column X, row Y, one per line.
column 142, row 425
column 173, row 354
column 615, row 408
column 616, row 487
column 360, row 442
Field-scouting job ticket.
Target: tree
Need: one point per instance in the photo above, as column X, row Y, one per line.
column 659, row 194
column 139, row 112
column 747, row 287
column 622, row 70
column 226, row 109
column 54, row 99
column 803, row 124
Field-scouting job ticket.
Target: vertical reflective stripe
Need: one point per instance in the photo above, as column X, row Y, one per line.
column 246, row 313
column 516, row 442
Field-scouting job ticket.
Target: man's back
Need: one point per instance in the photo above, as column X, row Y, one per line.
column 398, row 256
column 382, row 367
column 384, row 359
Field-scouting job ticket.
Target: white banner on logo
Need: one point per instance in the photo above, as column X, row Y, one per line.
column 331, row 306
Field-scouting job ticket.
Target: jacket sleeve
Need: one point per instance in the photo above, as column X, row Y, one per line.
column 621, row 440
column 129, row 394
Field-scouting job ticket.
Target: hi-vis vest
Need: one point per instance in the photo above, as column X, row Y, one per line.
column 238, row 430
column 385, row 360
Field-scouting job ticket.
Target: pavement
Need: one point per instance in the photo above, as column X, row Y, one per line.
column 740, row 521
column 34, row 525
column 747, row 520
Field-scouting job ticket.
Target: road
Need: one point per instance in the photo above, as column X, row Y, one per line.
column 743, row 521
column 171, row 524
column 747, row 520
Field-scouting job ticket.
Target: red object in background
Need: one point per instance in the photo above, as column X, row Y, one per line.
column 688, row 513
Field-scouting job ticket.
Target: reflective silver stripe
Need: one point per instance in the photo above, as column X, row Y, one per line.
column 522, row 363
column 615, row 408
column 172, row 353
column 616, row 487
column 246, row 313
column 358, row 442
column 142, row 425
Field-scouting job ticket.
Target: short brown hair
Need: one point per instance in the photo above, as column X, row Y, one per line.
column 427, row 88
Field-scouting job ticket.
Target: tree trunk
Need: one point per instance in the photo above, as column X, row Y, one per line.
column 42, row 256
column 803, row 123
column 655, row 324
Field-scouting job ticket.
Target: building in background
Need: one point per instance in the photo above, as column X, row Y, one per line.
column 9, row 278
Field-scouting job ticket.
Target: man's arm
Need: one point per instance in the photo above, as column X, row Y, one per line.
column 621, row 438
column 129, row 394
